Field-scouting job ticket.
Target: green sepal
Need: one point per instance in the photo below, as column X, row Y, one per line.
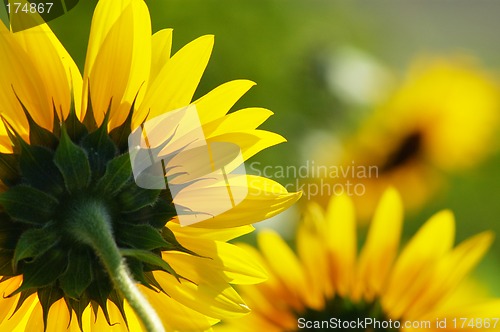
column 22, row 298
column 157, row 215
column 120, row 134
column 47, row 297
column 79, row 306
column 151, row 280
column 38, row 135
column 173, row 244
column 89, row 119
column 76, row 130
column 44, row 270
column 99, row 291
column 72, row 162
column 34, row 243
column 117, row 299
column 13, row 135
column 136, row 267
column 56, row 126
column 9, row 169
column 151, row 259
column 118, row 174
column 100, row 148
column 78, row 275
column 38, row 169
column 140, row 237
column 133, row 198
column 29, row 205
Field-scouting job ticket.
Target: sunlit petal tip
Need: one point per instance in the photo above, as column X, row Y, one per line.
column 392, row 195
column 444, row 219
column 485, row 239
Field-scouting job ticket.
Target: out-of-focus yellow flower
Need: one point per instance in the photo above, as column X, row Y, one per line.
column 327, row 280
column 441, row 119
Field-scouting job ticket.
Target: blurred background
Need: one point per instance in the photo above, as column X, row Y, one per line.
column 330, row 71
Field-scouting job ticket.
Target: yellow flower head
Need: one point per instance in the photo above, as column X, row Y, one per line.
column 443, row 118
column 71, row 211
column 329, row 281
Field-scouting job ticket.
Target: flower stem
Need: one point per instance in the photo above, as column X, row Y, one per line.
column 90, row 224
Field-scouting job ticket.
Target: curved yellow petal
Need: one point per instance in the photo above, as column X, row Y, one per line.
column 451, row 270
column 209, row 295
column 485, row 310
column 250, row 142
column 242, row 120
column 381, row 246
column 265, row 198
column 271, row 299
column 219, row 101
column 5, row 143
column 58, row 318
column 177, row 81
column 414, row 267
column 161, row 46
column 118, row 58
column 283, row 262
column 223, row 234
column 19, row 76
column 58, row 71
column 341, row 234
column 7, row 287
column 314, row 228
column 101, row 324
column 176, row 316
column 236, row 264
column 313, row 256
column 18, row 321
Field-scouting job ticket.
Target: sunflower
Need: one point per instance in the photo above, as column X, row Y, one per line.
column 327, row 281
column 82, row 246
column 442, row 119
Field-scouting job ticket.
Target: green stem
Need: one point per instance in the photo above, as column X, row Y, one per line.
column 91, row 225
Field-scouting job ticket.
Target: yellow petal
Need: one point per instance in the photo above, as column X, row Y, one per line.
column 341, row 234
column 219, row 101
column 56, row 68
column 283, row 262
column 209, row 295
column 223, row 234
column 7, row 287
column 413, row 269
column 161, row 44
column 451, row 270
column 21, row 76
column 118, row 57
column 174, row 315
column 487, row 309
column 250, row 142
column 381, row 246
column 265, row 198
column 242, row 120
column 101, row 324
column 236, row 264
column 177, row 81
column 270, row 299
column 18, row 322
column 57, row 319
column 311, row 249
